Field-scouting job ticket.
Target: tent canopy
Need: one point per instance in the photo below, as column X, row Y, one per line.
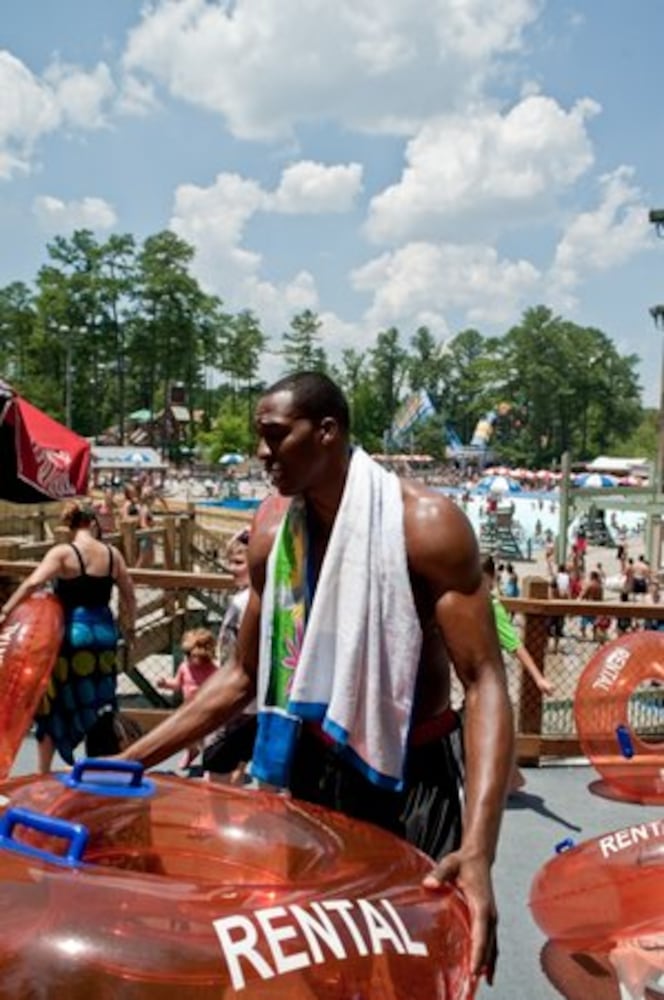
column 40, row 459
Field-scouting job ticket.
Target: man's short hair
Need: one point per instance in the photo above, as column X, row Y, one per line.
column 315, row 396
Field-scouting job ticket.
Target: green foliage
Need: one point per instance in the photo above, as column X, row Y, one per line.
column 230, row 432
column 110, row 326
column 301, row 345
column 643, row 441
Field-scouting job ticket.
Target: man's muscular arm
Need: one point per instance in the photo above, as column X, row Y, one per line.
column 443, row 552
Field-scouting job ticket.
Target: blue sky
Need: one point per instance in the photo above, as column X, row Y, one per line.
column 382, row 162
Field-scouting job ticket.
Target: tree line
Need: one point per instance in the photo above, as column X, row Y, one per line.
column 109, row 327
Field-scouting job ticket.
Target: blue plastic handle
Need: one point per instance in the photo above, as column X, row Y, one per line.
column 99, row 776
column 134, row 768
column 624, row 738
column 75, row 833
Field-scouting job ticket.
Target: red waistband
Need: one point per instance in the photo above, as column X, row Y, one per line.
column 433, row 729
column 427, row 731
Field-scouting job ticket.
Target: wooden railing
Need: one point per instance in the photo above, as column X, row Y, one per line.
column 545, row 726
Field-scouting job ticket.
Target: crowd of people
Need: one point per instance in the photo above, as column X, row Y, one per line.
column 632, row 582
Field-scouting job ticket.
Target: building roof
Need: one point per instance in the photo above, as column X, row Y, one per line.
column 181, row 414
column 619, row 466
column 115, row 457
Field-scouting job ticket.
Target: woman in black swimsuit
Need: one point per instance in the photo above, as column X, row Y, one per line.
column 80, row 701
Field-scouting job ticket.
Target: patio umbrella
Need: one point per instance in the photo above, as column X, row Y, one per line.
column 594, row 480
column 40, row 459
column 498, row 484
column 231, row 458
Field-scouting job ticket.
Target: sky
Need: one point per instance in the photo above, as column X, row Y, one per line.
column 446, row 163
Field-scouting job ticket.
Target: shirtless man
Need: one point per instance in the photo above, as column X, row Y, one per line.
column 303, row 429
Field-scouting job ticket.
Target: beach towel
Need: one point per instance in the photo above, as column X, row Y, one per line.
column 342, row 651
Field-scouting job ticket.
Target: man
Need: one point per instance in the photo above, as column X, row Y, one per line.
column 303, row 429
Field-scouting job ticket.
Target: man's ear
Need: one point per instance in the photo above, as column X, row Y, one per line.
column 329, row 429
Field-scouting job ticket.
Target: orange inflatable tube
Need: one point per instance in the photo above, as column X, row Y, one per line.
column 159, row 888
column 629, row 765
column 29, row 642
column 605, row 890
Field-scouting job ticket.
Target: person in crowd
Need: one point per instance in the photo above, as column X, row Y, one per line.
column 131, row 503
column 655, row 597
column 198, row 646
column 511, row 582
column 145, row 558
column 563, row 583
column 374, row 580
column 555, row 623
column 510, row 642
column 627, row 579
column 641, row 577
column 593, row 591
column 622, row 548
column 229, row 750
column 80, row 702
column 579, row 549
column 550, row 553
column 106, row 513
column 575, row 581
column 508, row 637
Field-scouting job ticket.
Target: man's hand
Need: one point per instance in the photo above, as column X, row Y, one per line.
column 473, row 877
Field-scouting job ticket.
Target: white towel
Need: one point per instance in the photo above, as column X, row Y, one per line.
column 360, row 654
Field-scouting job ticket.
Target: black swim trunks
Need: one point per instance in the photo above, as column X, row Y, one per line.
column 427, row 813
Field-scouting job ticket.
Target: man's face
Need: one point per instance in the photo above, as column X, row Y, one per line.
column 289, row 446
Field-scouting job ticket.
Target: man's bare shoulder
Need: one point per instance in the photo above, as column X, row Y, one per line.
column 440, row 541
column 264, row 527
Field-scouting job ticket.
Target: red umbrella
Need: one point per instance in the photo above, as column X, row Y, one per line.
column 40, row 459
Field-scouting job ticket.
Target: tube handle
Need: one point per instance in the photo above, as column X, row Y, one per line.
column 75, row 833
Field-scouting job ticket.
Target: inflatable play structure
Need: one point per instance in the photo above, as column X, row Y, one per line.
column 115, row 884
column 485, row 426
column 605, row 899
column 29, row 641
column 631, row 767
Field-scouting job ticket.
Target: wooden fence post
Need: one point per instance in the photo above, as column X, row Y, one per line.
column 535, row 639
column 9, row 551
column 186, row 525
column 169, row 541
column 128, row 542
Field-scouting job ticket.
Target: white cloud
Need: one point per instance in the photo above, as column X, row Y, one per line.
column 420, row 283
column 56, row 216
column 27, row 110
column 31, row 107
column 214, row 221
column 313, row 188
column 372, row 64
column 136, row 97
column 217, row 213
column 81, row 97
column 602, row 238
column 482, row 166
column 10, row 165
